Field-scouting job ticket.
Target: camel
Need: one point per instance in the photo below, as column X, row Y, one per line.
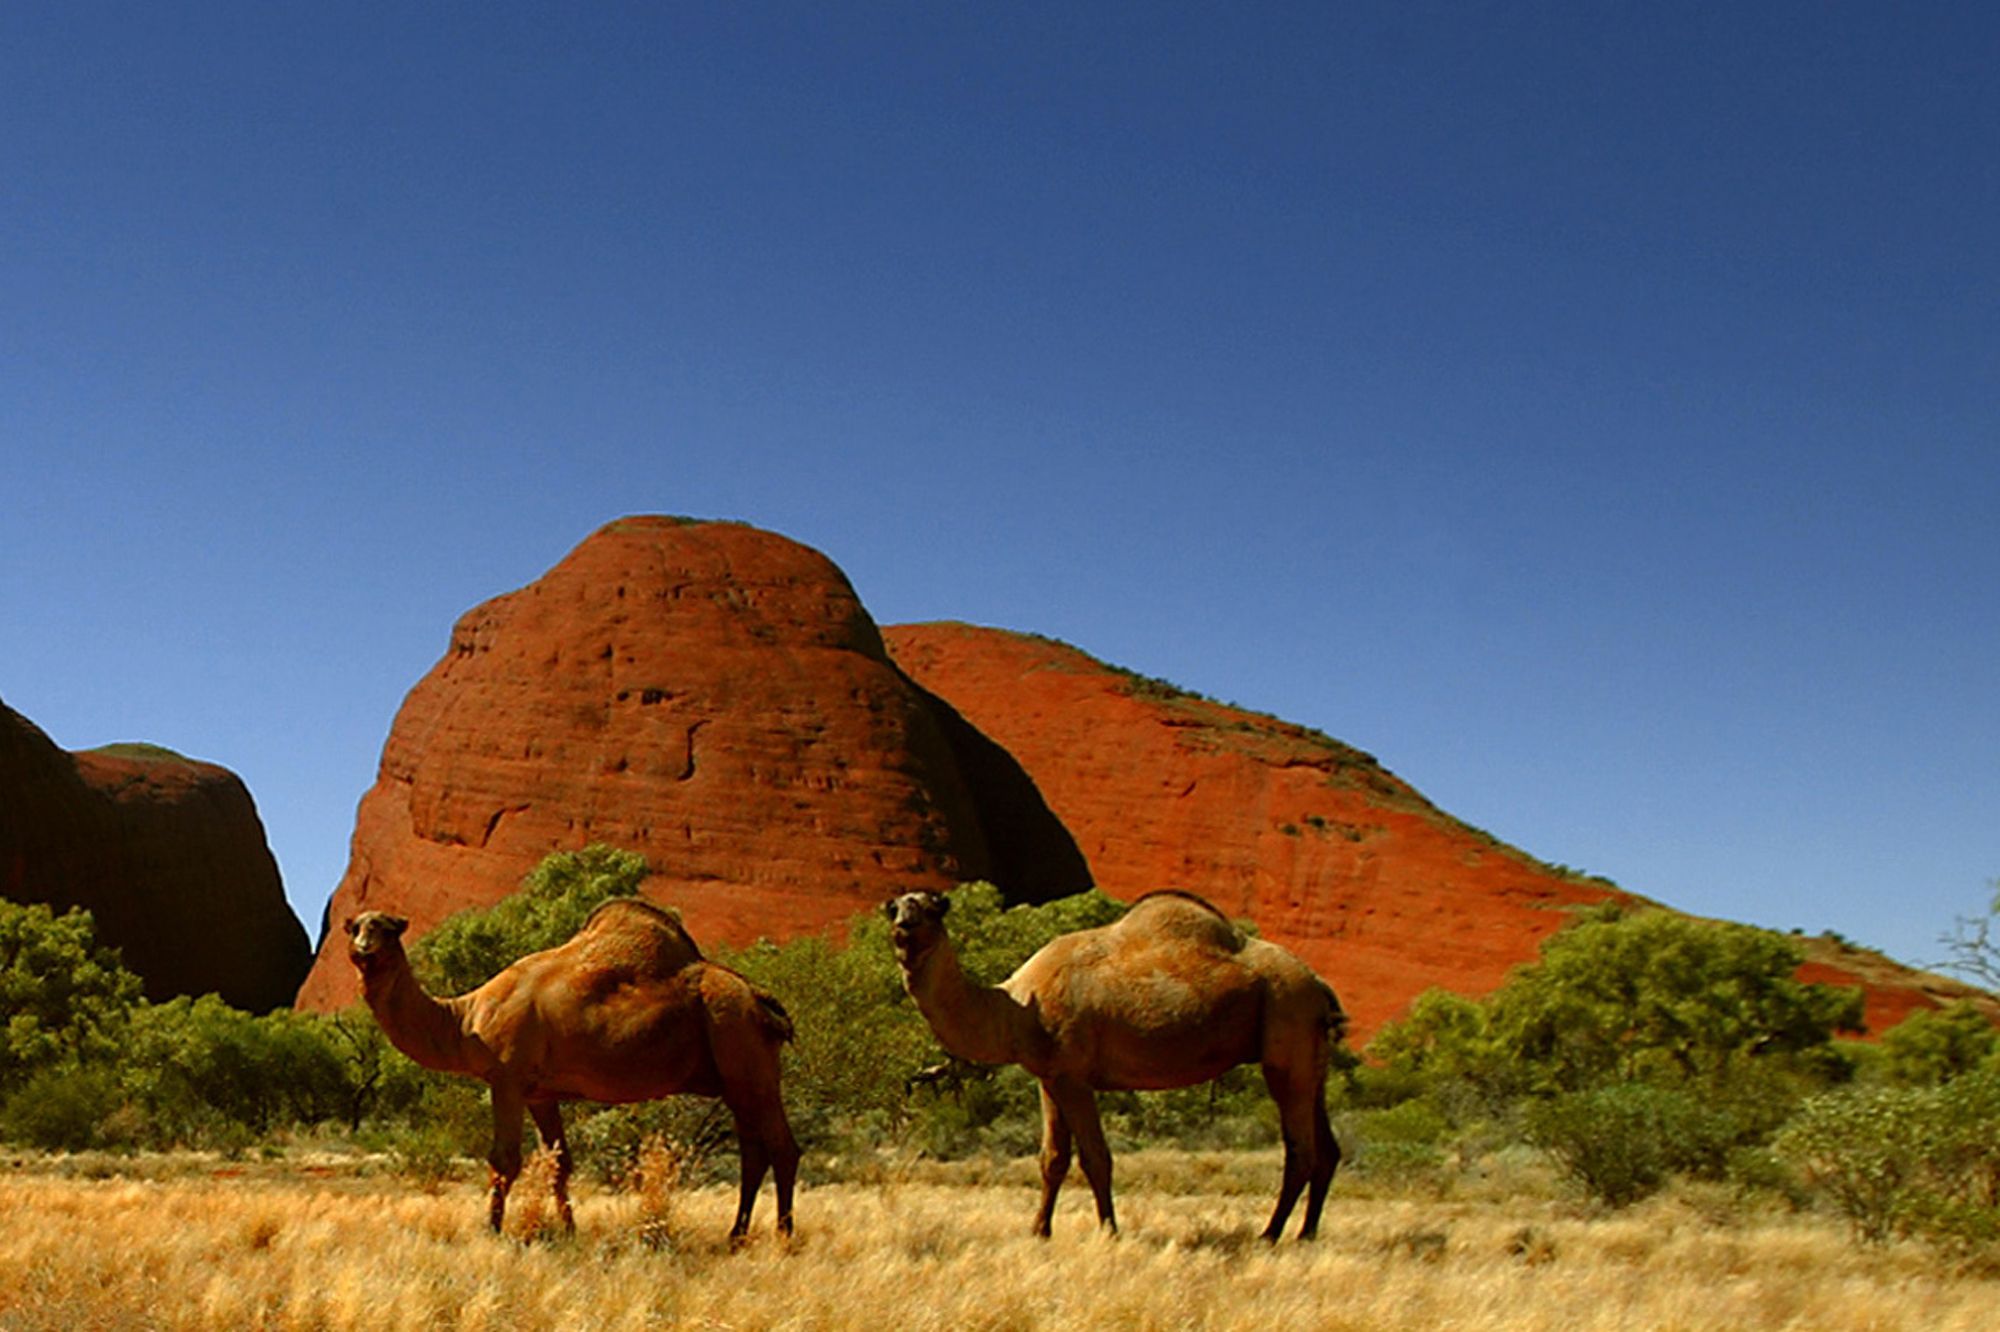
column 627, row 1010
column 1171, row 995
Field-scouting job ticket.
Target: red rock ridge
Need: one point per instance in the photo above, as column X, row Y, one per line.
column 709, row 695
column 166, row 853
column 1332, row 855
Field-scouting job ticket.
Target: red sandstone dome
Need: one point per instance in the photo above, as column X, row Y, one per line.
column 707, row 694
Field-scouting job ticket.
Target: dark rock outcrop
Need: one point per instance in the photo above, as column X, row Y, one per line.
column 166, row 853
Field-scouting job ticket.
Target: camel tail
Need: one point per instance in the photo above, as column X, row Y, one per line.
column 1336, row 1016
column 773, row 1016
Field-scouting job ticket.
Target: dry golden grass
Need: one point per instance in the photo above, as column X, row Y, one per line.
column 343, row 1245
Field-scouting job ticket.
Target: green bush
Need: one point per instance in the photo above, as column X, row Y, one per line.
column 1234, row 1112
column 1443, row 1037
column 1864, row 1152
column 62, row 1109
column 1920, row 1162
column 1661, row 997
column 64, row 998
column 1932, row 1047
column 204, row 1070
column 1654, row 997
column 857, row 1039
column 1402, row 1139
column 1622, row 1142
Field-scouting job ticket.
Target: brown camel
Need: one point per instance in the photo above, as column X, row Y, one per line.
column 627, row 1010
column 1169, row 996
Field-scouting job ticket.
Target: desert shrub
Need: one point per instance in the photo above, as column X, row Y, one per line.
column 1863, row 1151
column 1622, row 1142
column 1444, row 1037
column 993, row 938
column 1975, row 944
column 1661, row 997
column 977, row 1110
column 377, row 1081
column 1235, row 1111
column 1400, row 1139
column 62, row 1108
column 857, row 1039
column 1921, row 1162
column 205, row 1070
column 426, row 1155
column 611, row 1143
column 1615, row 999
column 1932, row 1047
column 64, row 998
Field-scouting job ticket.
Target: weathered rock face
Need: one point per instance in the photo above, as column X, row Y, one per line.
column 1329, row 853
column 711, row 696
column 167, row 854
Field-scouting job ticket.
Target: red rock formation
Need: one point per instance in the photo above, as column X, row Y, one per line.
column 716, row 698
column 1332, row 855
column 711, row 696
column 167, row 854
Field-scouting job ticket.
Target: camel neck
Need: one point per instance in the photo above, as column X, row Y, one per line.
column 422, row 1026
column 980, row 1023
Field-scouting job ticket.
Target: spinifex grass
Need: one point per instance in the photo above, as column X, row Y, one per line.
column 917, row 1247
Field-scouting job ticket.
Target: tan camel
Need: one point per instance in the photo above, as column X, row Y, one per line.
column 1169, row 996
column 627, row 1010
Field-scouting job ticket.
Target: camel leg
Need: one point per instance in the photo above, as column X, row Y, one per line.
column 548, row 1123
column 1295, row 1120
column 1078, row 1105
column 505, row 1158
column 764, row 1143
column 1326, row 1159
column 784, row 1151
column 1055, row 1159
column 764, row 1139
column 756, row 1160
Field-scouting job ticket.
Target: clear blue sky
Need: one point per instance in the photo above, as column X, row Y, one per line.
column 1590, row 410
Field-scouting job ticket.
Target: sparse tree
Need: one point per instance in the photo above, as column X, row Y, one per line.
column 1974, row 950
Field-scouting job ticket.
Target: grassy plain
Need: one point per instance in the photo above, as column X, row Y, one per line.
column 343, row 1242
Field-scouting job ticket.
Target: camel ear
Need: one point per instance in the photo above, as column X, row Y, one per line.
column 943, row 904
column 889, row 908
column 395, row 925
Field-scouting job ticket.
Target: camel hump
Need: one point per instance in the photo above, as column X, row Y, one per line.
column 634, row 933
column 1182, row 915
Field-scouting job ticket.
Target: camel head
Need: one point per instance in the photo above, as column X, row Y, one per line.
column 375, row 941
column 916, row 924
